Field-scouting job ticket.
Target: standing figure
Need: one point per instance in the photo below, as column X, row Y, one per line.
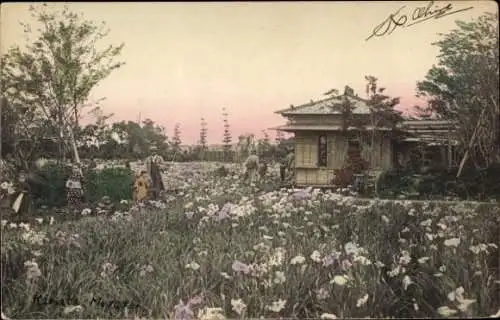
column 251, row 167
column 141, row 185
column 23, row 203
column 290, row 166
column 74, row 189
column 153, row 163
column 282, row 171
column 262, row 170
column 282, row 164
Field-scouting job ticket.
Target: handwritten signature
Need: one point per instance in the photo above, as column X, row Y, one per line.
column 420, row 14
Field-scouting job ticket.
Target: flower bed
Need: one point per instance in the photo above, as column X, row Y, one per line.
column 221, row 248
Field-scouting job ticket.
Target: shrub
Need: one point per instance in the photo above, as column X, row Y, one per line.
column 49, row 188
column 438, row 183
column 48, row 185
column 116, row 183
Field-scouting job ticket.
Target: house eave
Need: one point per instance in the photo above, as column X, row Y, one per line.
column 327, row 128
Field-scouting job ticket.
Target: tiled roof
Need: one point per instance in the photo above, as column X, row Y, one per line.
column 420, row 127
column 294, row 127
column 428, row 125
column 324, row 106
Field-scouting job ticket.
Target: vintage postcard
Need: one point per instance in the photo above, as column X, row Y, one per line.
column 234, row 160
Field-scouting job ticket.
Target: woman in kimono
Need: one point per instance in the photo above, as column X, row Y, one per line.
column 74, row 189
column 262, row 170
column 153, row 163
column 23, row 202
column 141, row 185
column 290, row 166
column 251, row 167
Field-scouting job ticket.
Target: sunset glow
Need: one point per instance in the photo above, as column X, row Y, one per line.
column 185, row 61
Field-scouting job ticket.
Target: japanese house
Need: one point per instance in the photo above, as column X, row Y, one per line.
column 324, row 145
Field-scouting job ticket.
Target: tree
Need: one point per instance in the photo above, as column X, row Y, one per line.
column 124, row 139
column 279, row 136
column 154, row 135
column 382, row 114
column 227, row 139
column 246, row 143
column 176, row 139
column 345, row 106
column 203, row 137
column 265, row 137
column 463, row 87
column 264, row 145
column 8, row 123
column 25, row 135
column 51, row 79
column 94, row 135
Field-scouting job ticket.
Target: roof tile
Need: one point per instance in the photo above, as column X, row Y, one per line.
column 325, row 106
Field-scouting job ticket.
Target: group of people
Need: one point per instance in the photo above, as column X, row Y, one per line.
column 256, row 170
column 24, row 183
column 149, row 182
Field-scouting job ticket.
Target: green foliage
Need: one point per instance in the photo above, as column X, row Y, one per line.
column 48, row 82
column 49, row 187
column 463, row 86
column 116, row 183
column 227, row 133
column 203, row 135
column 438, row 183
column 266, row 150
column 124, row 140
column 227, row 137
column 382, row 114
column 382, row 106
column 176, row 139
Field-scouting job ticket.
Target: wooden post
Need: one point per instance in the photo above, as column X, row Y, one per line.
column 471, row 142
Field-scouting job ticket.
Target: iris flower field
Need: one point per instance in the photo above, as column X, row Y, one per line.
column 218, row 248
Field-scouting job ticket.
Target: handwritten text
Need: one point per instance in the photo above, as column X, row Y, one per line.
column 419, row 14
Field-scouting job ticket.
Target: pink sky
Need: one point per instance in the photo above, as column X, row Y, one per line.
column 189, row 60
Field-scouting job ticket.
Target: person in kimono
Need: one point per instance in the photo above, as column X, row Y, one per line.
column 74, row 189
column 290, row 165
column 153, row 165
column 251, row 167
column 282, row 163
column 23, row 202
column 262, row 170
column 141, row 185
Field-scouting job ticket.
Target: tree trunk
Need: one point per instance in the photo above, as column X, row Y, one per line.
column 1, row 118
column 73, row 142
column 61, row 145
column 76, row 117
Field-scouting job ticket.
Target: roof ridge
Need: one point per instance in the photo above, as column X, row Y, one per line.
column 312, row 102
